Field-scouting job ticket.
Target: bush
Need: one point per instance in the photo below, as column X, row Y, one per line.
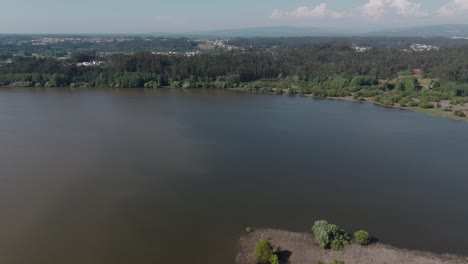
column 274, row 259
column 404, row 101
column 460, row 113
column 426, row 105
column 263, row 251
column 292, row 90
column 329, row 236
column 447, row 108
column 362, row 237
column 413, row 103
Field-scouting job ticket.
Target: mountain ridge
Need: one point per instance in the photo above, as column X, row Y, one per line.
column 443, row 30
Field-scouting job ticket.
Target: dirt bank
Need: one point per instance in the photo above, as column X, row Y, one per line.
column 299, row 248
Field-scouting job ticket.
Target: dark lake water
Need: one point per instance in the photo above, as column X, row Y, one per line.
column 135, row 176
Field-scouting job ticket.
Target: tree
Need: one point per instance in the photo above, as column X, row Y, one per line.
column 329, row 236
column 408, row 83
column 263, row 251
column 362, row 237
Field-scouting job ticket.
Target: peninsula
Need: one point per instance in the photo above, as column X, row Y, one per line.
column 300, row 248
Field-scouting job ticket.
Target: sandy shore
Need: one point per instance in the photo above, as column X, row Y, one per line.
column 299, row 248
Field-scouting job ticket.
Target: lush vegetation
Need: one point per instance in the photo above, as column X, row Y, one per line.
column 263, row 251
column 329, row 236
column 320, row 67
column 273, row 43
column 274, row 259
column 362, row 237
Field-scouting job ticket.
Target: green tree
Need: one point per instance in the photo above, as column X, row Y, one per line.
column 408, row 83
column 263, row 251
column 362, row 237
column 329, row 236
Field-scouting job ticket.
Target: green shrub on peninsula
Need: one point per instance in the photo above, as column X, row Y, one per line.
column 274, row 259
column 362, row 237
column 263, row 251
column 329, row 236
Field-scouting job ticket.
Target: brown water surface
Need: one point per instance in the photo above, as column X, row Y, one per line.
column 172, row 176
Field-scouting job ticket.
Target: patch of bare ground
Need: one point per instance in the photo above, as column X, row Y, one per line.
column 299, row 248
column 463, row 107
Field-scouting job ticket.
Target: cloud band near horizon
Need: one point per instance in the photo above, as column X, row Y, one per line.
column 376, row 9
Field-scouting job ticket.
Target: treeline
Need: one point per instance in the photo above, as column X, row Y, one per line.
column 326, row 66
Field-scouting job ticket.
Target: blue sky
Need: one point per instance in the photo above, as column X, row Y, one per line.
column 144, row 16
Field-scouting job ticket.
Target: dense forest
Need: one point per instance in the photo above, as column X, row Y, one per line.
column 316, row 64
column 322, row 70
column 374, row 42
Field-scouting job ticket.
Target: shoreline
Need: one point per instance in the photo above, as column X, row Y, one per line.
column 430, row 111
column 299, row 248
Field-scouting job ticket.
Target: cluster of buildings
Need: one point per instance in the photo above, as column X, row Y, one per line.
column 361, row 49
column 89, row 63
column 173, row 53
column 48, row 41
column 218, row 43
column 423, row 47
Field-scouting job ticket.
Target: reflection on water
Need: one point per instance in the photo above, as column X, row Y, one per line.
column 146, row 176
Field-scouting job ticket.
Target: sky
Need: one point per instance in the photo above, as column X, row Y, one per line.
column 178, row 16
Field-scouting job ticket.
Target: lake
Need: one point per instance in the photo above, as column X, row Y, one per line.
column 175, row 176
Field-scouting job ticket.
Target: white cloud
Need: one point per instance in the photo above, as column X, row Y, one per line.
column 454, row 8
column 373, row 9
column 377, row 8
column 407, row 8
column 321, row 10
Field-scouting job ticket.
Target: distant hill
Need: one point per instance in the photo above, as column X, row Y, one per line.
column 272, row 32
column 426, row 31
column 455, row 30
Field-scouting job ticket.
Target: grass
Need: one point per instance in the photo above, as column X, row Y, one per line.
column 425, row 82
column 437, row 112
